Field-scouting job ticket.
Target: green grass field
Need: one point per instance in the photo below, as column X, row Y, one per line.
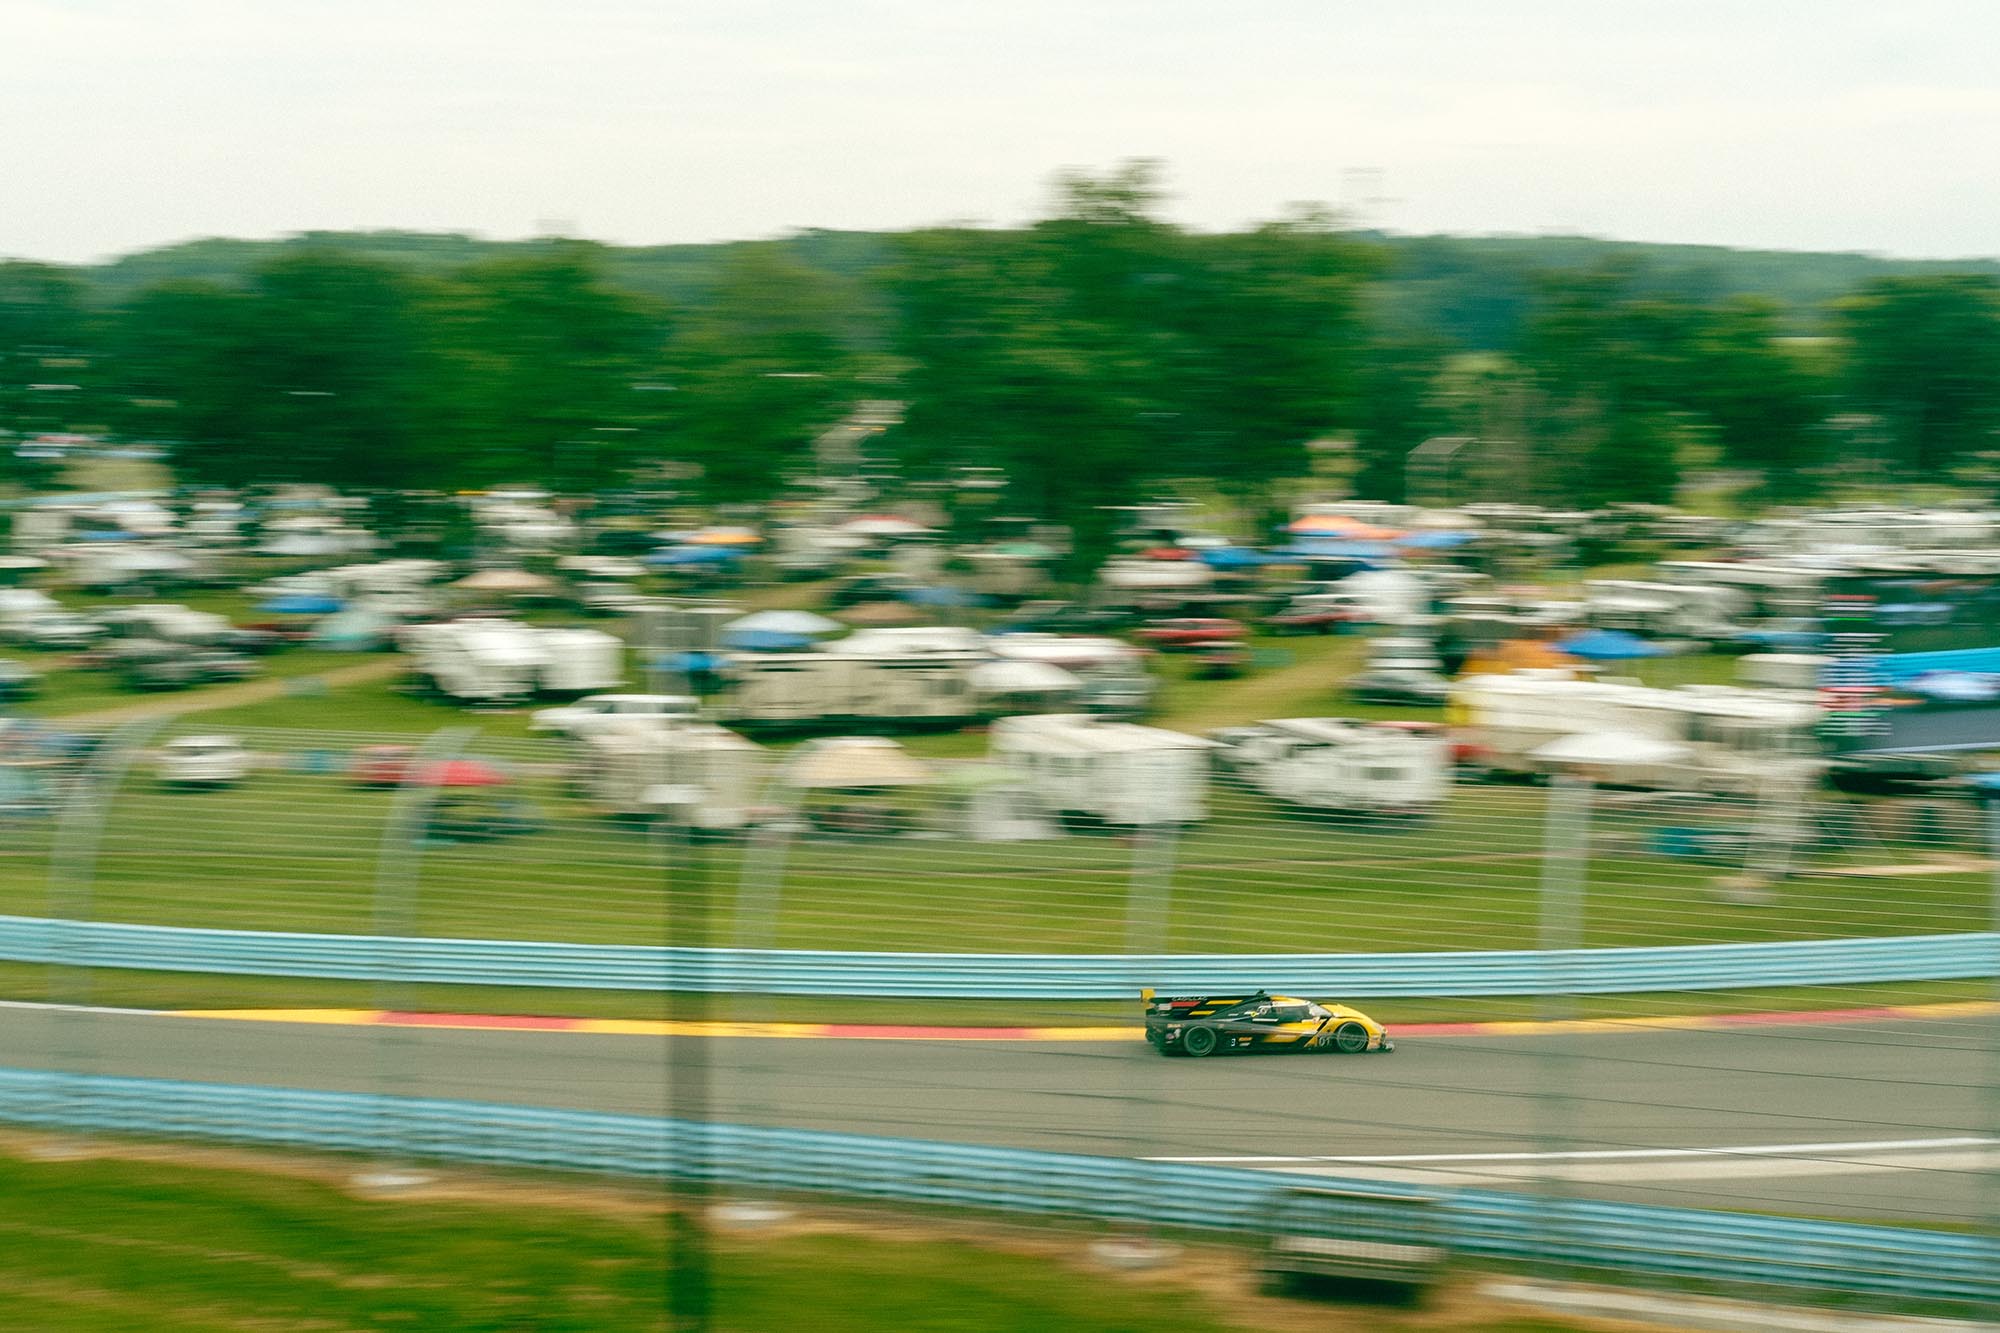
column 116, row 1244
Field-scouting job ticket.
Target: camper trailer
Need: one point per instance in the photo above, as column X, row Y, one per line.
column 489, row 661
column 1334, row 763
column 1731, row 739
column 621, row 760
column 818, row 689
column 1665, row 610
column 1080, row 768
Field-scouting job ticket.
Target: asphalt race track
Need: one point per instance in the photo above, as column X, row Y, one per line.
column 1887, row 1120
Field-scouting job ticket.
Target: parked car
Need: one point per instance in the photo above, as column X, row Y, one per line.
column 58, row 630
column 1187, row 632
column 17, row 681
column 586, row 712
column 204, row 761
column 1199, row 1025
column 1218, row 660
column 1394, row 686
column 381, row 765
column 1310, row 615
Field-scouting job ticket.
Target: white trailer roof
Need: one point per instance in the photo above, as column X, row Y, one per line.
column 1080, row 733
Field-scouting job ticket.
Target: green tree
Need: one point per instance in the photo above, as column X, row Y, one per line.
column 1924, row 355
column 759, row 371
column 1764, row 402
column 542, row 356
column 47, row 338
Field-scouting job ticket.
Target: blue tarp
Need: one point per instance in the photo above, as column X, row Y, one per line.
column 693, row 555
column 1434, row 541
column 691, row 662
column 1608, row 645
column 765, row 640
column 940, row 597
column 302, row 604
column 1236, row 557
column 1895, row 668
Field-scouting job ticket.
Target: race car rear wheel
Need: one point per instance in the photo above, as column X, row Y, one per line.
column 1197, row 1042
column 1350, row 1039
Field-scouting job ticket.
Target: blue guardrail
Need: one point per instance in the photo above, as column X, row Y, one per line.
column 995, row 975
column 1819, row 1259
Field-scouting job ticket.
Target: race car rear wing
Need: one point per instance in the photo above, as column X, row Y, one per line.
column 1190, row 1006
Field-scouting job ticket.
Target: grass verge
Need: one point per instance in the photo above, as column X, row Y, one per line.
column 106, row 1245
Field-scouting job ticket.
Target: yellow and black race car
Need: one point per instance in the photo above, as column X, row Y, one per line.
column 1198, row 1025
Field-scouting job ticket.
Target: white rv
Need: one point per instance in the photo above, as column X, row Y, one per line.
column 477, row 661
column 622, row 759
column 1333, row 763
column 1673, row 610
column 486, row 661
column 581, row 661
column 810, row 689
column 1731, row 739
column 1074, row 766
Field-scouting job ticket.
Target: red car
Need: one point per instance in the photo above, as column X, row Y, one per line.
column 381, row 765
column 1187, row 633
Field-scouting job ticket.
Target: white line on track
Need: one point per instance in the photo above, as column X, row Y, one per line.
column 1622, row 1165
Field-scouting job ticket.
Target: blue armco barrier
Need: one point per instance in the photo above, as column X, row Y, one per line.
column 995, row 975
column 1823, row 1259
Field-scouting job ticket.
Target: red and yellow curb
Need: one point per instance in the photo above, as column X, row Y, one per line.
column 632, row 1027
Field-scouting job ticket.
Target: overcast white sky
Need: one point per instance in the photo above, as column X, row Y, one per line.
column 1836, row 124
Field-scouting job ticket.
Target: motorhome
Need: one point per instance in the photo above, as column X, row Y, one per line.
column 1729, row 739
column 491, row 661
column 1075, row 767
column 1336, row 763
column 817, row 689
column 1665, row 610
column 620, row 761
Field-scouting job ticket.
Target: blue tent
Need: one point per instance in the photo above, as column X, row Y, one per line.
column 691, row 662
column 682, row 556
column 940, row 597
column 1608, row 645
column 302, row 604
column 1336, row 549
column 1236, row 557
column 1434, row 540
column 765, row 640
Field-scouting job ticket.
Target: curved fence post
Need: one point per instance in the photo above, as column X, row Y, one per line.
column 398, row 871
column 72, row 879
column 1565, row 872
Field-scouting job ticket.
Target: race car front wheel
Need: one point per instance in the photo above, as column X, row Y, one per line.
column 1198, row 1042
column 1350, row 1039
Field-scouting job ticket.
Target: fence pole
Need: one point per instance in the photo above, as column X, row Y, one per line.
column 71, row 902
column 760, row 886
column 1992, row 1081
column 398, row 876
column 684, row 928
column 1148, row 905
column 1565, row 864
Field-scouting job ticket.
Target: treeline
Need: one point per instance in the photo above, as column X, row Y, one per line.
column 1094, row 358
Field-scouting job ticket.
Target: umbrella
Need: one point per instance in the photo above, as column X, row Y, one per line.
column 1021, row 676
column 1339, row 525
column 1608, row 645
column 460, row 773
column 882, row 525
column 783, row 622
column 882, row 613
column 687, row 556
column 504, row 580
column 855, row 763
column 1025, row 550
column 1609, row 749
column 725, row 537
column 302, row 604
